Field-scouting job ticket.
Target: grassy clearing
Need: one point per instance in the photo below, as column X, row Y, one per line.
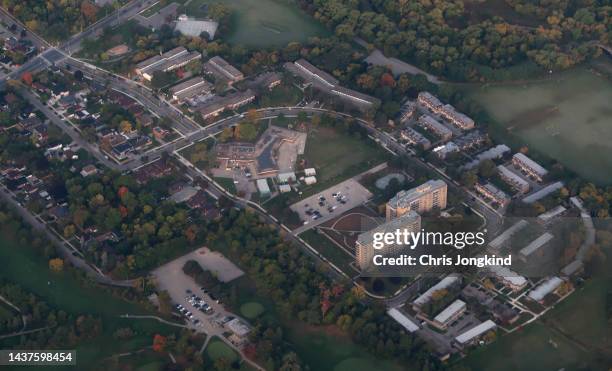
column 218, row 349
column 328, row 249
column 227, row 183
column 252, row 309
column 339, row 156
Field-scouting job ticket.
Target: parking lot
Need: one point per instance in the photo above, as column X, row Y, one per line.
column 184, row 291
column 330, row 203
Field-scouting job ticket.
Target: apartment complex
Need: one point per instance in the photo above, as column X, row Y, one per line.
column 429, row 101
column 456, row 118
column 450, row 314
column 515, row 181
column 429, row 195
column 435, row 126
column 354, row 95
column 190, row 88
column 364, row 249
column 535, row 245
column 492, row 193
column 166, row 62
column 222, row 68
column 413, row 137
column 529, row 166
column 229, row 102
column 312, row 71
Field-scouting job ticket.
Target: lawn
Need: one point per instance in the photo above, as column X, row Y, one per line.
column 338, row 156
column 218, row 349
column 252, row 309
column 329, row 250
column 227, row 183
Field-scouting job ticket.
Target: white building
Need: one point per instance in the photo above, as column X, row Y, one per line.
column 445, row 283
column 263, row 187
column 309, row 180
column 498, row 241
column 509, row 278
column 540, row 292
column 535, row 245
column 449, row 314
column 513, row 179
column 471, row 335
column 403, row 320
column 286, row 177
column 310, row 171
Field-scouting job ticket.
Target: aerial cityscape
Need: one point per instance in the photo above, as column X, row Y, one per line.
column 306, row 185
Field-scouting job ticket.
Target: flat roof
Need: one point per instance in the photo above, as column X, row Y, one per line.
column 545, row 288
column 329, row 79
column 543, row 192
column 476, row 331
column 444, row 283
column 450, row 311
column 350, row 93
column 402, row 320
column 262, row 186
column 550, row 214
column 507, row 275
column 406, row 197
column 186, row 84
column 536, row 244
column 509, row 174
column 409, row 219
column 500, row 239
column 435, row 124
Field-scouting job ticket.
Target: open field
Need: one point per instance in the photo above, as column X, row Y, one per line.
column 570, row 110
column 337, row 156
column 330, row 251
column 218, row 349
column 263, row 23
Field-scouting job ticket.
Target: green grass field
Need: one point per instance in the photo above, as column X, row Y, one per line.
column 330, row 251
column 252, row 309
column 338, row 156
column 227, row 183
column 218, row 349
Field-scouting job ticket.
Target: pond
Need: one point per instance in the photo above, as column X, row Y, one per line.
column 264, row 23
column 567, row 117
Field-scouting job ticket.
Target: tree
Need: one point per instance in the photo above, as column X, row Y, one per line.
column 469, row 178
column 26, row 77
column 125, row 127
column 159, row 343
column 56, row 265
column 246, row 131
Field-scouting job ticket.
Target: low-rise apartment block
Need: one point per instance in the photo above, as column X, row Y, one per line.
column 473, row 334
column 313, row 72
column 429, row 101
column 429, row 195
column 492, row 193
column 456, row 118
column 415, row 138
column 515, row 181
column 529, row 166
column 435, row 126
column 535, row 245
column 228, row 102
column 354, row 95
column 224, row 69
column 450, row 314
column 168, row 61
column 190, row 88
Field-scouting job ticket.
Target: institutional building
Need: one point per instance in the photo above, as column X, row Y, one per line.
column 429, row 195
column 529, row 166
column 364, row 249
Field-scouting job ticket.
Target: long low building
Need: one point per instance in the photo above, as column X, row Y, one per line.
column 168, row 61
column 540, row 292
column 354, row 95
column 223, row 68
column 529, row 166
column 535, row 245
column 514, row 180
column 498, row 241
column 508, row 278
column 449, row 314
column 458, row 119
column 533, row 197
column 437, row 127
column 315, row 73
column 548, row 216
column 490, row 154
column 403, row 320
column 190, row 88
column 221, row 104
column 475, row 332
column 445, row 283
column 429, row 101
column 492, row 193
column 415, row 138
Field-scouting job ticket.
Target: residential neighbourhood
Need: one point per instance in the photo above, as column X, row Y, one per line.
column 205, row 185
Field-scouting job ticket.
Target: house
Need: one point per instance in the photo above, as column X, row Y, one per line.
column 160, row 133
column 88, row 170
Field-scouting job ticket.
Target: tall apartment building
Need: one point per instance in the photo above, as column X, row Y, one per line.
column 429, row 195
column 364, row 249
